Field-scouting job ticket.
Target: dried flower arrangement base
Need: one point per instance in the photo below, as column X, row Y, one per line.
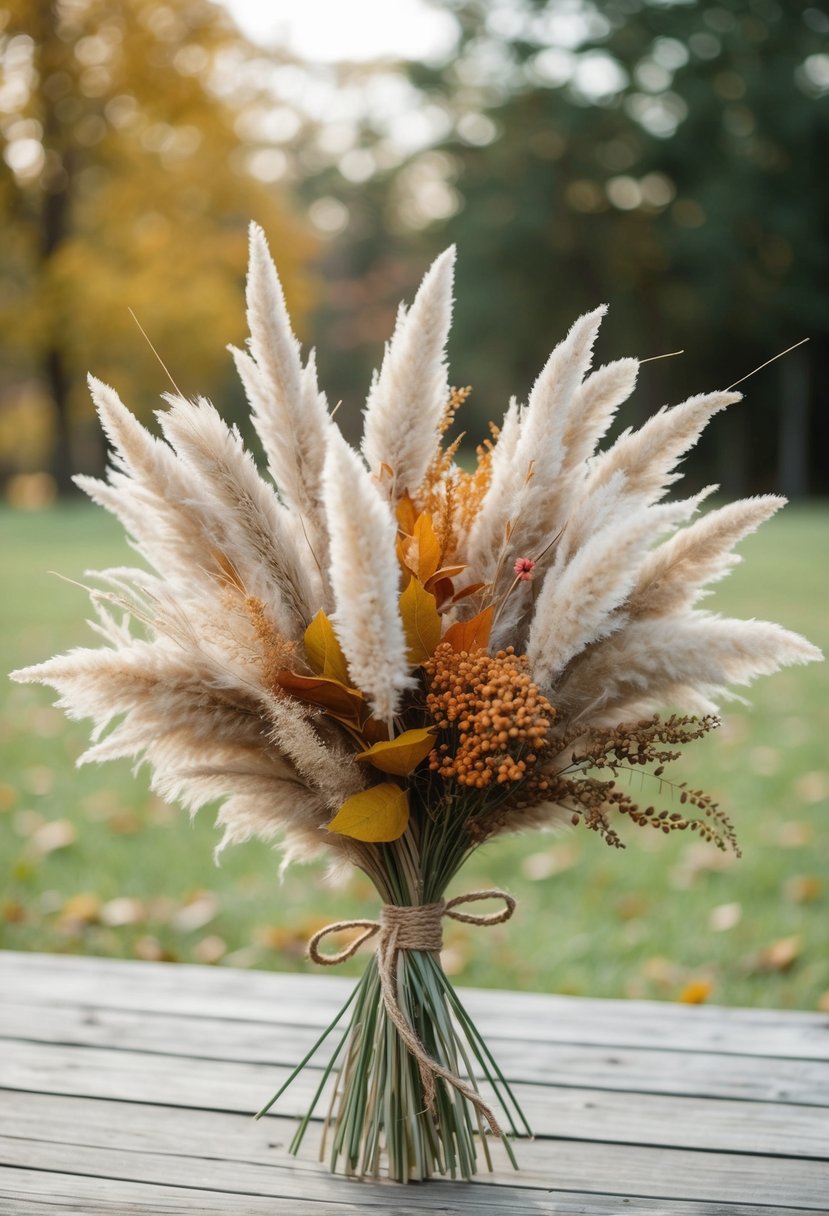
column 391, row 660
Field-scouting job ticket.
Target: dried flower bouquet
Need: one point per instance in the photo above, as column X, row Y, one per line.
column 390, row 659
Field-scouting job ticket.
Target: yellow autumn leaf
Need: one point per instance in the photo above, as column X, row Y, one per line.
column 424, row 551
column 323, row 650
column 421, row 622
column 406, row 515
column 402, row 754
column 377, row 814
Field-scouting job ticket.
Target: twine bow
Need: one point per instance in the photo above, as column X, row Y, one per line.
column 415, row 928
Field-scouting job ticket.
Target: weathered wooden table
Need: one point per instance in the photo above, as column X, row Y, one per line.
column 128, row 1087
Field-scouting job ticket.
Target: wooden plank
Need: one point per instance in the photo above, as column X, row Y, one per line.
column 153, row 1127
column 26, row 1193
column 605, row 1116
column 313, row 999
column 641, row 1070
column 627, row 1171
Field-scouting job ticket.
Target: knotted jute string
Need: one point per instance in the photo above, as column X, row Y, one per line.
column 415, row 928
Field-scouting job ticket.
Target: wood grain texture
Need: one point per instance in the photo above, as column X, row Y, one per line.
column 127, row 1087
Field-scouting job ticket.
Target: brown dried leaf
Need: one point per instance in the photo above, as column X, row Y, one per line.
column 327, row 694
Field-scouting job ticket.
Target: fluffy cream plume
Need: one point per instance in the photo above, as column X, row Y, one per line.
column 673, row 576
column 287, row 408
column 408, row 397
column 641, row 463
column 648, row 456
column 256, row 530
column 583, row 601
column 673, row 662
column 365, row 577
column 193, row 521
column 595, row 406
column 324, row 765
column 521, row 485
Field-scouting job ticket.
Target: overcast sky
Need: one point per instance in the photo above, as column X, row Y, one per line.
column 325, row 30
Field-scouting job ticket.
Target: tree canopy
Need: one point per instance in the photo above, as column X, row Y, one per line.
column 125, row 183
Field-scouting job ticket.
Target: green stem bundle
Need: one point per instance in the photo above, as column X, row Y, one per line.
column 380, row 1120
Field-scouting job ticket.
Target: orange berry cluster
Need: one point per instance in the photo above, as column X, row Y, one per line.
column 493, row 720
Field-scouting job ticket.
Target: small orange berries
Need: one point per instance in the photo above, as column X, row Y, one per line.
column 492, row 719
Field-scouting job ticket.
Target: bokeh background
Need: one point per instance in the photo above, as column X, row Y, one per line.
column 665, row 156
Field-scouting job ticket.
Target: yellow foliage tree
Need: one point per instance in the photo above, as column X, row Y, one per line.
column 125, row 183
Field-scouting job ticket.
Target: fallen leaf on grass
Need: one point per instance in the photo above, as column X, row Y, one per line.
column 794, row 834
column 81, row 909
column 210, row 950
column 123, row 911
column 823, row 1002
column 696, row 992
column 724, row 917
column 632, row 906
column 8, row 797
column 779, row 956
column 150, row 950
column 812, row 787
column 802, row 889
column 49, row 837
column 199, row 909
column 12, row 912
column 124, row 823
column 38, row 780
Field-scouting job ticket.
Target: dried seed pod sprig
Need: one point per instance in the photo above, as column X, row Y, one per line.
column 384, row 658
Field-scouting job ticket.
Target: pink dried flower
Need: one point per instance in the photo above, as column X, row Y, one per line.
column 524, row 569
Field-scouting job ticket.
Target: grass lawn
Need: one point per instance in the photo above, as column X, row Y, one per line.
column 91, row 863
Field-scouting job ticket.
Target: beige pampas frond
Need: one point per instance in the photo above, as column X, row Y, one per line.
column 365, row 577
column 584, row 600
column 287, row 408
column 673, row 576
column 255, row 528
column 521, row 485
column 657, row 660
column 407, row 399
column 648, row 456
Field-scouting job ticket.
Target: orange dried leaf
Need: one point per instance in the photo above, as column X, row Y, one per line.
column 323, row 650
column 421, row 622
column 377, row 814
column 424, row 552
column 406, row 515
column 402, row 754
column 327, row 694
column 472, row 634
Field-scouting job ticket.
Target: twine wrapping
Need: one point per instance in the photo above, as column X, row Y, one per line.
column 415, row 928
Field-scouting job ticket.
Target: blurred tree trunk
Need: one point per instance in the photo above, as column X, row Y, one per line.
column 793, row 433
column 55, row 205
